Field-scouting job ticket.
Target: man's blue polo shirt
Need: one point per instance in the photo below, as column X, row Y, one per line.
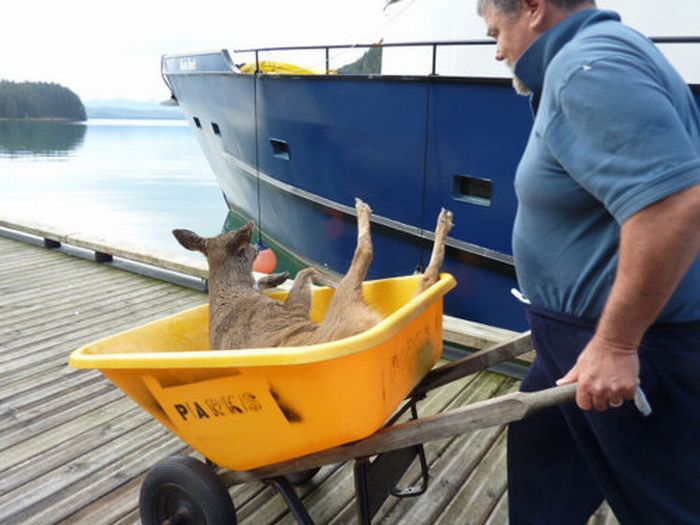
column 616, row 129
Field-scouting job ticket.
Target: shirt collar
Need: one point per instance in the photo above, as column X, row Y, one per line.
column 532, row 65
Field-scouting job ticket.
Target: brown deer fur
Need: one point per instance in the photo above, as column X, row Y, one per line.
column 241, row 316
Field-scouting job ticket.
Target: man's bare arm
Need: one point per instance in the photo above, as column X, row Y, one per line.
column 658, row 245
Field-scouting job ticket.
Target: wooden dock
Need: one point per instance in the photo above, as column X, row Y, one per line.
column 74, row 449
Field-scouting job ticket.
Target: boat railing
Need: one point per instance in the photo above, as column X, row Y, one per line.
column 434, row 46
column 380, row 45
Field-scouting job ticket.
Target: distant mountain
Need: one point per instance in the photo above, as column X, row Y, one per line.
column 130, row 109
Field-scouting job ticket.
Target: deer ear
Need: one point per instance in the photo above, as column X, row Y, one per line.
column 241, row 238
column 191, row 240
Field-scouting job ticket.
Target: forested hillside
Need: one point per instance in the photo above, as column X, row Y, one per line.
column 368, row 64
column 33, row 100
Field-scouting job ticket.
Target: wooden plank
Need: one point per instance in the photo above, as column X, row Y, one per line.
column 120, row 507
column 94, row 480
column 66, row 335
column 37, row 306
column 84, row 287
column 74, row 321
column 499, row 514
column 18, row 433
column 25, row 310
column 472, row 334
column 25, row 381
column 18, row 289
column 88, row 466
column 31, row 228
column 117, row 507
column 603, row 516
column 8, row 246
column 26, row 267
column 249, row 496
column 452, row 462
column 470, row 364
column 66, row 302
column 39, row 264
column 332, row 499
column 20, row 408
column 185, row 264
column 4, row 298
column 46, row 451
column 39, row 349
column 477, row 497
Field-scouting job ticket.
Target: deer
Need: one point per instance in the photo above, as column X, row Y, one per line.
column 243, row 316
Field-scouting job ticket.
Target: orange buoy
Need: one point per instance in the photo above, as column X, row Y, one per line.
column 266, row 261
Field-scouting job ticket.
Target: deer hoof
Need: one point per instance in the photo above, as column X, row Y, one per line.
column 446, row 219
column 362, row 207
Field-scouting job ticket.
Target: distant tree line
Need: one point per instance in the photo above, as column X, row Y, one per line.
column 35, row 100
column 368, row 64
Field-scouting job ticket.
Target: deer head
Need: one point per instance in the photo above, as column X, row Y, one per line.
column 230, row 255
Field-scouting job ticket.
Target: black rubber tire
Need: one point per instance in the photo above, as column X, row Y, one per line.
column 184, row 486
column 299, row 478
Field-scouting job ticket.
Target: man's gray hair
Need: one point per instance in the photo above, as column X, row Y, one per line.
column 513, row 7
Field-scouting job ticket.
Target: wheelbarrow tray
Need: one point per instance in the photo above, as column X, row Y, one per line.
column 244, row 409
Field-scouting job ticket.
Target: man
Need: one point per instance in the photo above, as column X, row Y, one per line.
column 606, row 243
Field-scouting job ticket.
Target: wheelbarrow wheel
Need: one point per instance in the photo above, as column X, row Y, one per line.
column 299, row 478
column 181, row 490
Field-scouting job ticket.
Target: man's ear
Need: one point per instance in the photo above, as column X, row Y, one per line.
column 240, row 239
column 191, row 240
column 537, row 12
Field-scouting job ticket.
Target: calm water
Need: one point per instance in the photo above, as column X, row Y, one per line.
column 122, row 180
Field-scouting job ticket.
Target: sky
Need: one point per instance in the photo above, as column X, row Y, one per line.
column 106, row 49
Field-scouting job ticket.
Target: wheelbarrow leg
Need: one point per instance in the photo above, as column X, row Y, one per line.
column 284, row 487
column 377, row 479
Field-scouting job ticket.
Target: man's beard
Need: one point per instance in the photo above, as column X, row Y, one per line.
column 519, row 85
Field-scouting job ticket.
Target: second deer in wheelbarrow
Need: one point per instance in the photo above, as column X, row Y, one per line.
column 241, row 316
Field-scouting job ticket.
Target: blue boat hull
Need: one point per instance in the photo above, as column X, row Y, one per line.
column 293, row 152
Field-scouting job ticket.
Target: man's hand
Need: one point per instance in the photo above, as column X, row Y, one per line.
column 606, row 375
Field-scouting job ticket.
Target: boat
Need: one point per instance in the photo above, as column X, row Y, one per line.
column 292, row 147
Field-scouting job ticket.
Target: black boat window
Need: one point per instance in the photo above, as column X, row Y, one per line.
column 197, row 122
column 280, row 149
column 473, row 190
column 215, row 128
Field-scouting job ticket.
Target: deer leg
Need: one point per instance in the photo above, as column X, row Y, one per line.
column 437, row 258
column 322, row 279
column 300, row 293
column 270, row 281
column 351, row 284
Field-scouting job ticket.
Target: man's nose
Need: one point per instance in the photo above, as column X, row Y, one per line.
column 499, row 55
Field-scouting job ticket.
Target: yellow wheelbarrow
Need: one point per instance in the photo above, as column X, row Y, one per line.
column 280, row 413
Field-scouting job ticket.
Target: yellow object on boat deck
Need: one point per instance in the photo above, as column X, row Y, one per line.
column 277, row 68
column 249, row 408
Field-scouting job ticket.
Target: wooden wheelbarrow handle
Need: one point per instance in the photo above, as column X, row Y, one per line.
column 491, row 412
column 475, row 362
